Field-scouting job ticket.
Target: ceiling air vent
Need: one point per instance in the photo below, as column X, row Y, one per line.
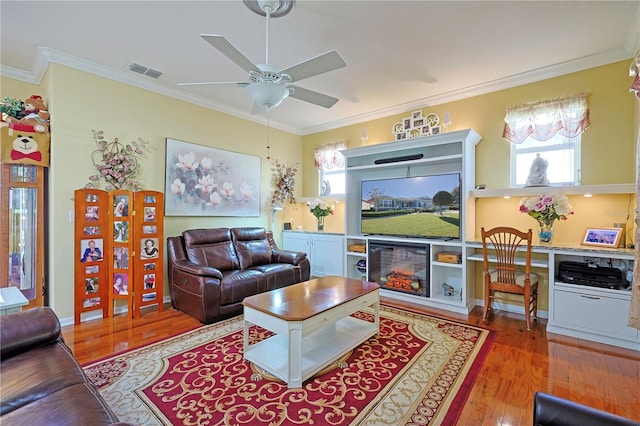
column 141, row 69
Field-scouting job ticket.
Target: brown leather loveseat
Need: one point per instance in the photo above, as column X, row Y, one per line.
column 42, row 383
column 211, row 271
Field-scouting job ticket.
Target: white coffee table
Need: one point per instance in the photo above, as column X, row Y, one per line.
column 11, row 300
column 312, row 323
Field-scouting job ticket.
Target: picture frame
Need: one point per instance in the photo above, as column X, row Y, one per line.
column 416, row 114
column 602, row 237
column 206, row 181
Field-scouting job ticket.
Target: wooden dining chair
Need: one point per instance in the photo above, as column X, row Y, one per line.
column 500, row 272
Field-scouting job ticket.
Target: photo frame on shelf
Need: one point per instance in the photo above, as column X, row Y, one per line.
column 602, row 237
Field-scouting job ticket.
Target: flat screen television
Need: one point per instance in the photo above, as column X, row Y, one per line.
column 420, row 206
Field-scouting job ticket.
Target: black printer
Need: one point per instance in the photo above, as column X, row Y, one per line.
column 591, row 275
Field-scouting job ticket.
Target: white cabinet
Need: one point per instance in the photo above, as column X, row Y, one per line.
column 588, row 312
column 325, row 251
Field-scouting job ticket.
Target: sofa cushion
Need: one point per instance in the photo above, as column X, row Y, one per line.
column 37, row 373
column 279, row 274
column 252, row 246
column 236, row 285
column 70, row 406
column 211, row 247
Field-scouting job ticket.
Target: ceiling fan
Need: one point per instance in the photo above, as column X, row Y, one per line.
column 268, row 86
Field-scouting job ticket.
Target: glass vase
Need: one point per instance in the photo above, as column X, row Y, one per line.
column 545, row 232
column 320, row 222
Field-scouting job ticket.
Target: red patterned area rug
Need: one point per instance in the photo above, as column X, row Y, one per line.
column 419, row 370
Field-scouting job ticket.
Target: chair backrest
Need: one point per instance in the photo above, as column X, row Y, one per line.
column 506, row 242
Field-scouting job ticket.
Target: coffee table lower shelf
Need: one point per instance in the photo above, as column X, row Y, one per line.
column 319, row 349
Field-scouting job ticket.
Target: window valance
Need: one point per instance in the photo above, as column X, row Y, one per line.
column 542, row 120
column 328, row 156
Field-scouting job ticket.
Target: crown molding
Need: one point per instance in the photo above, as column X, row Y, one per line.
column 539, row 74
column 48, row 55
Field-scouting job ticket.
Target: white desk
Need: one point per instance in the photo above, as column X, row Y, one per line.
column 591, row 313
column 11, row 300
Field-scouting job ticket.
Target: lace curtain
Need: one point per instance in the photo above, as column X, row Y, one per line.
column 634, row 71
column 328, row 156
column 542, row 120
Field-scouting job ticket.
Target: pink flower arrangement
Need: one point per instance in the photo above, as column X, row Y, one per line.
column 546, row 208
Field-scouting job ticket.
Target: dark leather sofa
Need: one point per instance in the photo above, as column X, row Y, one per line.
column 211, row 271
column 42, row 383
column 550, row 410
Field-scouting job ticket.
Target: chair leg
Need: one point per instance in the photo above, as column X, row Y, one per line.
column 487, row 302
column 527, row 307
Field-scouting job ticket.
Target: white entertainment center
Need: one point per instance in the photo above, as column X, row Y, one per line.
column 587, row 312
column 452, row 152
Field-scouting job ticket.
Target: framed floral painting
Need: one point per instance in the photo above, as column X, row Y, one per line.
column 206, row 181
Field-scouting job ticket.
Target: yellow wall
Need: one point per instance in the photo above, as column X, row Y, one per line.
column 79, row 102
column 608, row 150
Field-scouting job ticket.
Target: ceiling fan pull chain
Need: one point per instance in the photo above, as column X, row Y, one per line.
column 268, row 134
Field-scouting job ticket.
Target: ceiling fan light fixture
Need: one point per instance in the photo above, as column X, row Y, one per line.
column 267, row 94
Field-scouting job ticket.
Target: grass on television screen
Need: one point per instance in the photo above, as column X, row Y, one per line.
column 429, row 224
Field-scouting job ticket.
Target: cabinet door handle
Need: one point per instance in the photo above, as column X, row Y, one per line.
column 590, row 297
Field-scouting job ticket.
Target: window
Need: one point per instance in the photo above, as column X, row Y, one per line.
column 551, row 129
column 331, row 168
column 332, row 182
column 562, row 154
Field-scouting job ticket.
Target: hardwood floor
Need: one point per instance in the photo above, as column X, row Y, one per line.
column 519, row 363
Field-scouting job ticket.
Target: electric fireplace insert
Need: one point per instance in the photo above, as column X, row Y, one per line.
column 399, row 266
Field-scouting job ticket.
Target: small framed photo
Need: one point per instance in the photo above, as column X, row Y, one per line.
column 149, row 229
column 149, row 214
column 416, row 114
column 121, row 206
column 435, row 130
column 90, row 303
column 406, row 123
column 91, row 214
column 91, row 230
column 418, row 122
column 602, row 237
column 151, row 199
column 401, row 136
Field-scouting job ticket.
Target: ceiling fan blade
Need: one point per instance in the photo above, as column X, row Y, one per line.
column 320, row 64
column 313, row 97
column 216, row 83
column 230, row 51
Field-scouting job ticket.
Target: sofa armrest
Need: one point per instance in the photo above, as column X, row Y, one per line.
column 288, row 256
column 549, row 410
column 193, row 269
column 25, row 330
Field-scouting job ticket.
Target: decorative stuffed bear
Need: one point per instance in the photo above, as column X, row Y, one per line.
column 538, row 172
column 35, row 115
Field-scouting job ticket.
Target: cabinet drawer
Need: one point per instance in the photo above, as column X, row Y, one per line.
column 594, row 314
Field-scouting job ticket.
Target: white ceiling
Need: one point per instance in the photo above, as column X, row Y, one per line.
column 400, row 55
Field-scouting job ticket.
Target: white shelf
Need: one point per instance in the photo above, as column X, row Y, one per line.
column 624, row 188
column 318, row 349
column 441, row 159
column 536, row 263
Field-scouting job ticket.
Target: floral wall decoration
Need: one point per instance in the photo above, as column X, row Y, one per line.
column 205, row 181
column 116, row 164
column 285, row 180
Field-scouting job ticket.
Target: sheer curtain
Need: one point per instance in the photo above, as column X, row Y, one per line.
column 328, row 156
column 542, row 120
